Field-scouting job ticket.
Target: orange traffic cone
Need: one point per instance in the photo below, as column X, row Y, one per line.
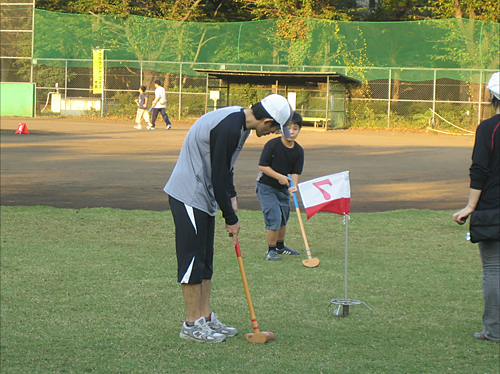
column 22, row 129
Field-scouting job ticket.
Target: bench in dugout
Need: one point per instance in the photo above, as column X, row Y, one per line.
column 317, row 121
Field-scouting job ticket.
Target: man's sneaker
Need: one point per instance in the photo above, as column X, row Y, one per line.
column 219, row 327
column 201, row 332
column 150, row 126
column 287, row 251
column 272, row 255
column 169, row 126
column 138, row 127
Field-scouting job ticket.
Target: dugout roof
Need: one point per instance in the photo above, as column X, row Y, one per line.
column 282, row 78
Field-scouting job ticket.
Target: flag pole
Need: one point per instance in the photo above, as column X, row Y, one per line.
column 346, row 220
column 345, row 302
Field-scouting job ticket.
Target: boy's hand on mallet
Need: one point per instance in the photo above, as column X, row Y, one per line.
column 284, row 180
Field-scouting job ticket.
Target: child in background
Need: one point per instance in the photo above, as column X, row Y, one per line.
column 280, row 157
column 142, row 111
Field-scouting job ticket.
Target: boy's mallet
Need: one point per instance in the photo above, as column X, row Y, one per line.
column 311, row 261
column 257, row 336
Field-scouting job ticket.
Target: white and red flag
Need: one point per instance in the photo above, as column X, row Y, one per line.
column 327, row 194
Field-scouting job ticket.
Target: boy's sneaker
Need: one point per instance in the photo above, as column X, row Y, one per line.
column 201, row 332
column 169, row 126
column 150, row 126
column 287, row 251
column 219, row 327
column 138, row 127
column 272, row 255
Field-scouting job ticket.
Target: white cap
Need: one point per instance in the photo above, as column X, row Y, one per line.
column 494, row 84
column 280, row 110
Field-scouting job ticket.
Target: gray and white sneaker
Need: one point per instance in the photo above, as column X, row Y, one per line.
column 219, row 327
column 287, row 251
column 201, row 332
column 272, row 255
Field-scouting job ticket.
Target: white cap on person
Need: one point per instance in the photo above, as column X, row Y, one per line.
column 494, row 84
column 280, row 110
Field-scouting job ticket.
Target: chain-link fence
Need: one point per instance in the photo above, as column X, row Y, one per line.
column 16, row 32
column 398, row 101
column 432, row 101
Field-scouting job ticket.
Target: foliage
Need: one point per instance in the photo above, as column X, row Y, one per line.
column 122, row 105
column 92, row 291
column 246, row 10
column 176, row 10
column 483, row 10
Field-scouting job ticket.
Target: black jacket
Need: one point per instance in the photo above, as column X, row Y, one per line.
column 485, row 169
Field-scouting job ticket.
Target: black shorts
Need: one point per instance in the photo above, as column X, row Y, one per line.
column 194, row 242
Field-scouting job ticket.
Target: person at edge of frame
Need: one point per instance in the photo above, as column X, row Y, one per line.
column 280, row 157
column 485, row 194
column 202, row 179
column 159, row 105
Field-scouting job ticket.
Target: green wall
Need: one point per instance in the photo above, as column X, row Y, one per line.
column 17, row 99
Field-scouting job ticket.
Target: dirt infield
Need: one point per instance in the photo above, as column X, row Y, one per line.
column 77, row 163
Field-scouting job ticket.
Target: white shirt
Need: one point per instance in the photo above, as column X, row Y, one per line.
column 162, row 96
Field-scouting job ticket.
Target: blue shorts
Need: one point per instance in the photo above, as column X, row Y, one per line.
column 275, row 206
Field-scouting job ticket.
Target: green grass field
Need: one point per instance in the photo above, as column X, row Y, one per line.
column 95, row 291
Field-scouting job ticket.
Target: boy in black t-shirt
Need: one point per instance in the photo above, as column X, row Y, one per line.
column 280, row 157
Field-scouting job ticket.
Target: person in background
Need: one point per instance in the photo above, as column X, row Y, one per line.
column 159, row 105
column 142, row 110
column 485, row 195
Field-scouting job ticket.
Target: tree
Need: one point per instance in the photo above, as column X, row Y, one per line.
column 482, row 10
column 175, row 10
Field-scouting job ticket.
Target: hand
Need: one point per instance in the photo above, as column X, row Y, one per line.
column 291, row 190
column 459, row 217
column 283, row 179
column 233, row 231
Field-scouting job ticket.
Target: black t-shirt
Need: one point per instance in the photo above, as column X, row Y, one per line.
column 281, row 159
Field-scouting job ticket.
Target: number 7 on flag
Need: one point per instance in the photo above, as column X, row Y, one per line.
column 326, row 195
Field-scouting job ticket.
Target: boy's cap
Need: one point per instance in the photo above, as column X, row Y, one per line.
column 494, row 84
column 280, row 110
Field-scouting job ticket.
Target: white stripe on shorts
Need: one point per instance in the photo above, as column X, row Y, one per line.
column 190, row 212
column 187, row 274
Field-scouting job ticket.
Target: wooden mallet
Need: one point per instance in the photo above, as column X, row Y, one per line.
column 310, row 262
column 257, row 336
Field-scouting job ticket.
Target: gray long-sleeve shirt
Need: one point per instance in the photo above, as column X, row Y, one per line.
column 203, row 177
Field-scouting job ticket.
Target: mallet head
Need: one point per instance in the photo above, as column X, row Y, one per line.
column 311, row 262
column 260, row 337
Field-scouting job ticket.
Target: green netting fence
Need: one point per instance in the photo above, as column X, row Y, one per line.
column 408, row 69
column 286, row 44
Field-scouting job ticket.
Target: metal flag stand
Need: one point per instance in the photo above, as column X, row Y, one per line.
column 345, row 302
